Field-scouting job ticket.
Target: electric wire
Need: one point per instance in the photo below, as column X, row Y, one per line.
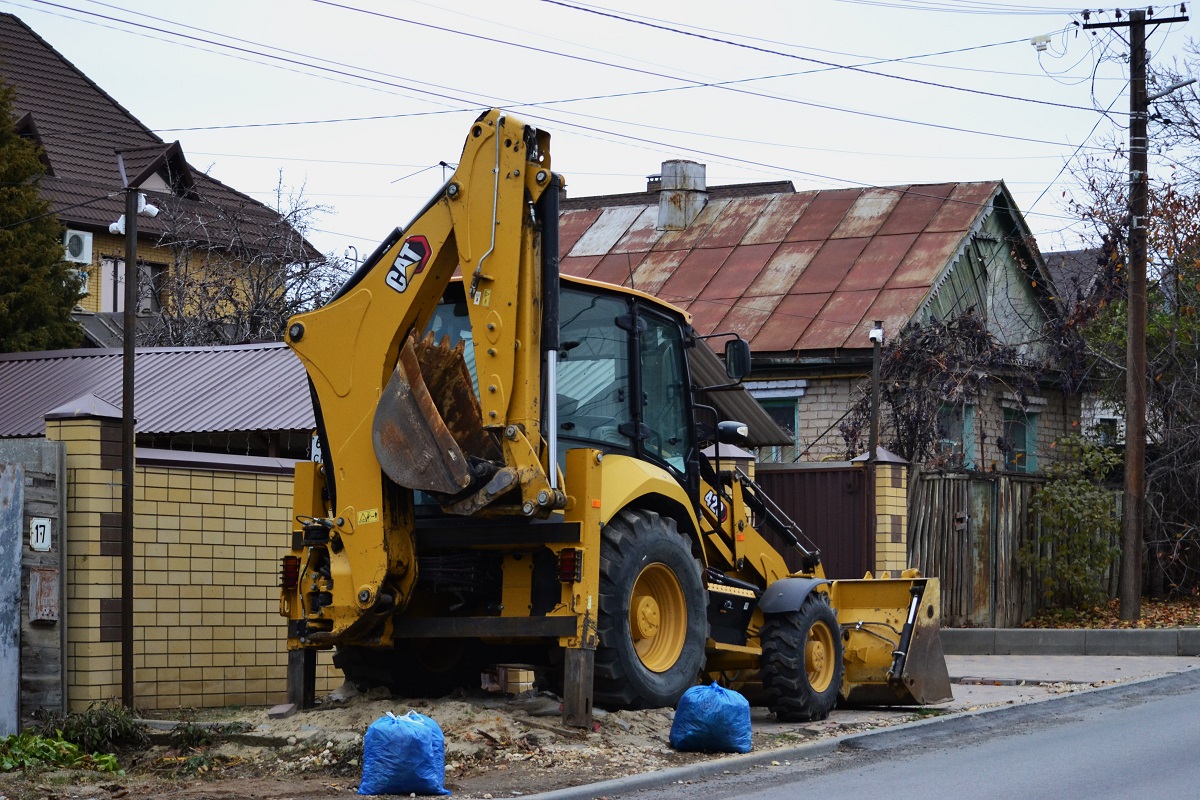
column 828, row 64
column 487, row 101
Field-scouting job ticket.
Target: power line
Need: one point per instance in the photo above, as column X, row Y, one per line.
column 621, row 137
column 827, row 64
column 491, row 100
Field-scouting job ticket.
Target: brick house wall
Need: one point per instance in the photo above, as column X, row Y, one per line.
column 826, row 400
column 208, row 534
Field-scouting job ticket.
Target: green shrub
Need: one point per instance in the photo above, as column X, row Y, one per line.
column 29, row 750
column 101, row 727
column 1078, row 525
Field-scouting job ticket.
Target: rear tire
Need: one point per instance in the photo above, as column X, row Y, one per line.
column 653, row 622
column 802, row 661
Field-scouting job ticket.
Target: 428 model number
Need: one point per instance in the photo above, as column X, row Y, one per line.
column 713, row 501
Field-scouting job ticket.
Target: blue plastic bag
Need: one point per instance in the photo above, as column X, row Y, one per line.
column 713, row 719
column 403, row 755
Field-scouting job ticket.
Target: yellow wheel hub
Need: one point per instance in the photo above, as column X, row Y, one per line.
column 818, row 656
column 657, row 617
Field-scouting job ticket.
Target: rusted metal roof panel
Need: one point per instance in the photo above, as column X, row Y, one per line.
column 784, row 269
column 794, row 313
column 963, row 207
column 778, row 218
column 829, row 266
column 740, row 269
column 572, row 225
column 642, row 234
column 916, row 208
column 748, row 315
column 617, row 267
column 693, row 274
column 823, row 215
column 879, row 259
column 707, row 315
column 928, row 256
column 695, row 234
column 839, row 322
column 579, row 266
column 259, row 387
column 867, row 214
column 894, row 307
column 656, row 268
column 733, row 224
column 608, row 228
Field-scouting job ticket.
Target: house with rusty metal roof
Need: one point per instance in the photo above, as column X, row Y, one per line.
column 92, row 149
column 804, row 276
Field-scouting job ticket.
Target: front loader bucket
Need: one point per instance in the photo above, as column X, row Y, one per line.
column 411, row 440
column 891, row 639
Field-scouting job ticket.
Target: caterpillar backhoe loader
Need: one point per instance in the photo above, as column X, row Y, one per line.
column 510, row 470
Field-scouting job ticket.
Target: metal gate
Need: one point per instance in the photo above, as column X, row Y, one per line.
column 12, row 482
column 32, row 579
column 829, row 503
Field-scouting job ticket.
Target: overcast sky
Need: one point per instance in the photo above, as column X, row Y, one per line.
column 357, row 101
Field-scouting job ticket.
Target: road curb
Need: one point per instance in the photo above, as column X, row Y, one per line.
column 1071, row 641
column 875, row 739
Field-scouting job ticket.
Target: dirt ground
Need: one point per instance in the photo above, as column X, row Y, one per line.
column 496, row 747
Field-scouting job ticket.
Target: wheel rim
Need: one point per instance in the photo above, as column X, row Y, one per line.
column 657, row 617
column 818, row 656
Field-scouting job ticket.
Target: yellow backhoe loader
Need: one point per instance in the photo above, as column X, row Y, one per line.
column 510, row 471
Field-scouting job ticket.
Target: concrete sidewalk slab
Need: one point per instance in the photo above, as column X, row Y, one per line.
column 1064, row 669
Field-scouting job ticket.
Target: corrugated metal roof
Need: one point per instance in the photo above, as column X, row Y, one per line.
column 788, row 271
column 250, row 387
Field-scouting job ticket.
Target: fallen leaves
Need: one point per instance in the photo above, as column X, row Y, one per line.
column 1178, row 613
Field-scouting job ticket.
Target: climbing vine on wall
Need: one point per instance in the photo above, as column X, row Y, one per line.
column 928, row 367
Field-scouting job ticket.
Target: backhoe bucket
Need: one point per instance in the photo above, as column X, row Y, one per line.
column 414, row 447
column 892, row 644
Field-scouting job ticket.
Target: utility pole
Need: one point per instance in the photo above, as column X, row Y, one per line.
column 1129, row 588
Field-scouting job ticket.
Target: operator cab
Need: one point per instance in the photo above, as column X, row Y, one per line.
column 613, row 347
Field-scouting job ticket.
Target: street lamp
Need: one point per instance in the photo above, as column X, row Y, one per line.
column 135, row 203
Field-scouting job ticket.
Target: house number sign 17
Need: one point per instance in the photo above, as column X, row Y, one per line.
column 39, row 534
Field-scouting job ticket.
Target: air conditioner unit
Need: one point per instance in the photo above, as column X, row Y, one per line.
column 79, row 246
column 82, row 276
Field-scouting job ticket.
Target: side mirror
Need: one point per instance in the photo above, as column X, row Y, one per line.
column 737, row 359
column 730, row 432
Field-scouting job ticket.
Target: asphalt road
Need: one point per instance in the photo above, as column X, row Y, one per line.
column 1133, row 741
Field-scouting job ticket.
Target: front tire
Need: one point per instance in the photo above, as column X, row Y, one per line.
column 652, row 618
column 802, row 661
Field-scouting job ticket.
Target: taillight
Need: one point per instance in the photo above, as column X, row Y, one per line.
column 289, row 572
column 570, row 565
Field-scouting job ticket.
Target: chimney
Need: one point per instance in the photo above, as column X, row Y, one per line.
column 682, row 194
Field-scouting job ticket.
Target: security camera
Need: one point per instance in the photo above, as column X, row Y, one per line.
column 118, row 228
column 876, row 335
column 145, row 208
